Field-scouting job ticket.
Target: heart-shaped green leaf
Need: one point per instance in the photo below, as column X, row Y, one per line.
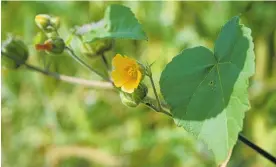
column 207, row 92
column 118, row 22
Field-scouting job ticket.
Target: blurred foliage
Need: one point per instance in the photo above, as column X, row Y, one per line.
column 46, row 122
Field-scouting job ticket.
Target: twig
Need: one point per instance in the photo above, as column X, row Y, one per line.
column 69, row 79
column 74, row 80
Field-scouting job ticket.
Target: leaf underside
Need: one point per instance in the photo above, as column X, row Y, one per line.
column 207, row 92
column 118, row 22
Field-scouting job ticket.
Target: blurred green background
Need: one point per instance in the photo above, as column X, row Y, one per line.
column 46, row 122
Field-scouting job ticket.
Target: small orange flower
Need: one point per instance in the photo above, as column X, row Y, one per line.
column 127, row 73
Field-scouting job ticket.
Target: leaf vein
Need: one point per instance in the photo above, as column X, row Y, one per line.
column 178, row 124
column 226, row 122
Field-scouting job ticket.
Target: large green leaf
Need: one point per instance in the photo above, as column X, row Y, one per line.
column 207, row 92
column 119, row 22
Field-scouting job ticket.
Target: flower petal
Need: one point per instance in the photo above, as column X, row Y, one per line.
column 139, row 77
column 119, row 78
column 120, row 62
column 130, row 85
column 127, row 89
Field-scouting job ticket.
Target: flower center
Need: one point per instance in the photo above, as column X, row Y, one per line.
column 132, row 71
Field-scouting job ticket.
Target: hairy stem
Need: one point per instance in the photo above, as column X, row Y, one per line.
column 105, row 61
column 151, row 104
column 155, row 93
column 69, row 79
column 73, row 80
column 72, row 53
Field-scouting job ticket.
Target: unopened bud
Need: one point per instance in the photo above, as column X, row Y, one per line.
column 101, row 46
column 47, row 23
column 133, row 99
column 14, row 51
column 127, row 100
column 58, row 45
column 140, row 93
column 97, row 48
column 53, row 45
column 55, row 22
column 42, row 21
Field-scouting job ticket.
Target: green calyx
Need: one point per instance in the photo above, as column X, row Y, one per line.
column 58, row 45
column 14, row 52
column 143, row 70
column 128, row 100
column 134, row 99
column 98, row 48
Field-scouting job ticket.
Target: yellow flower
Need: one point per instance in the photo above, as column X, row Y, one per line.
column 127, row 73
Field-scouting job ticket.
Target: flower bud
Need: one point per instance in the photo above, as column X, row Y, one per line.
column 14, row 51
column 53, row 45
column 47, row 23
column 42, row 21
column 127, row 100
column 133, row 99
column 55, row 22
column 98, row 48
column 140, row 93
column 58, row 45
column 101, row 46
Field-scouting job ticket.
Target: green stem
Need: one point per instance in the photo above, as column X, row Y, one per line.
column 156, row 109
column 87, row 48
column 151, row 104
column 65, row 78
column 105, row 61
column 72, row 53
column 155, row 93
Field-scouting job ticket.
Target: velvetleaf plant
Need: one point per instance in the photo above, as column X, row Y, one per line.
column 205, row 91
